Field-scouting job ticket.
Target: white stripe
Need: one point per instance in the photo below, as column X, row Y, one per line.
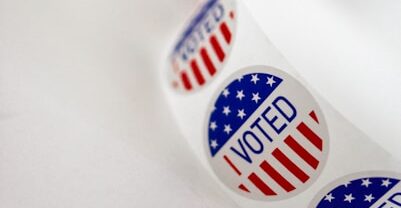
column 202, row 68
column 298, row 161
column 269, row 181
column 311, row 123
column 213, row 56
column 191, row 78
column 285, row 173
column 307, row 145
column 202, row 65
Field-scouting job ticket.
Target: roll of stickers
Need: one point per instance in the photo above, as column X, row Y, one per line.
column 264, row 135
column 358, row 50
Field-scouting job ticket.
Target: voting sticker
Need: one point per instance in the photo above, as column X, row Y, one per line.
column 362, row 190
column 266, row 137
column 204, row 46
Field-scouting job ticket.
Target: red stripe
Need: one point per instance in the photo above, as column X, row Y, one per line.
column 294, row 169
column 301, row 152
column 310, row 135
column 232, row 15
column 277, row 176
column 226, row 32
column 313, row 116
column 244, row 188
column 209, row 64
column 197, row 72
column 217, row 48
column 185, row 80
column 261, row 185
column 232, row 165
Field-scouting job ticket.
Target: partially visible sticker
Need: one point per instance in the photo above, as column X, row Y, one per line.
column 362, row 190
column 266, row 137
column 204, row 46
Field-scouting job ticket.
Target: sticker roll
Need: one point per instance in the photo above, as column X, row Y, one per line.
column 260, row 130
column 359, row 49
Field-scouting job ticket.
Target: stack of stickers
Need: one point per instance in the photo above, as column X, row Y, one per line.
column 265, row 136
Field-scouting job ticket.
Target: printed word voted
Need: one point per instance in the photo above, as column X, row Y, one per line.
column 267, row 127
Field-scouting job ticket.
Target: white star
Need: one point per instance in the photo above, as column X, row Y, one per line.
column 329, row 197
column 241, row 113
column 369, row 198
column 349, row 198
column 271, row 81
column 347, row 183
column 255, row 78
column 227, row 128
column 386, row 183
column 214, row 144
column 240, row 94
column 226, row 110
column 213, row 125
column 366, row 182
column 240, row 78
column 255, row 97
column 226, row 92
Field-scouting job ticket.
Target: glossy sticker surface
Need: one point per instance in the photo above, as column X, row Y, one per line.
column 204, row 47
column 362, row 190
column 266, row 137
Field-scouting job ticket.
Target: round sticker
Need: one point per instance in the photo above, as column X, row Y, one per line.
column 266, row 135
column 204, row 46
column 362, row 190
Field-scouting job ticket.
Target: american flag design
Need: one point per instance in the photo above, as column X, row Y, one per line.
column 367, row 191
column 266, row 136
column 204, row 46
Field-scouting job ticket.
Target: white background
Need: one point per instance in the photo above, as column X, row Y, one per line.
column 83, row 122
